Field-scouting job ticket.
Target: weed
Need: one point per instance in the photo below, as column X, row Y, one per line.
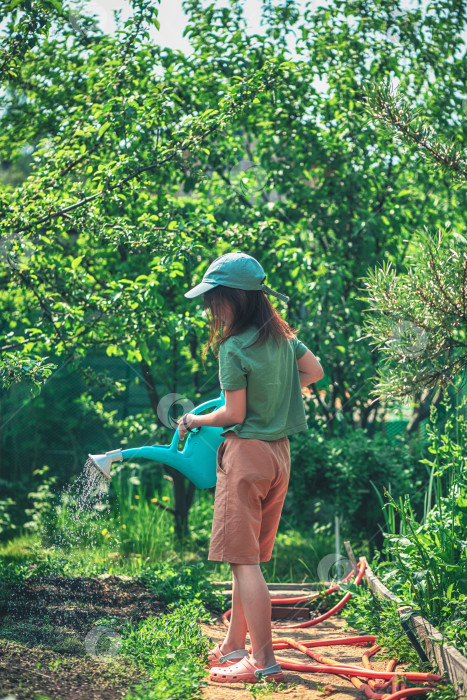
column 446, row 691
column 173, row 649
column 266, row 688
column 188, row 583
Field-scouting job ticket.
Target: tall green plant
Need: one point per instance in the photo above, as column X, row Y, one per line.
column 428, row 561
column 144, row 528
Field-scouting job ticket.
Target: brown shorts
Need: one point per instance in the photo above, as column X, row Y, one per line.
column 252, row 480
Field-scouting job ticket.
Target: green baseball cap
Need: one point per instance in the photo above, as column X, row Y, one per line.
column 237, row 270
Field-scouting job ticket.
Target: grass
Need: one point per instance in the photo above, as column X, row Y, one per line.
column 135, row 534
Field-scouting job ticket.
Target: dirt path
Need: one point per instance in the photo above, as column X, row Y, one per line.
column 45, row 623
column 301, row 685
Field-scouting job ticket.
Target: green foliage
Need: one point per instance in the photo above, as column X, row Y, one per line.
column 42, row 512
column 25, row 558
column 31, row 370
column 63, row 519
column 398, row 116
column 426, row 563
column 185, row 583
column 64, row 431
column 420, row 316
column 332, row 475
column 6, row 523
column 373, row 615
column 265, row 688
column 15, row 571
column 172, row 649
column 445, row 691
column 297, row 552
column 455, row 626
column 144, row 528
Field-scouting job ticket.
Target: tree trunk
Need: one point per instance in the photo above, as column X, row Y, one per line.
column 183, row 489
column 426, row 399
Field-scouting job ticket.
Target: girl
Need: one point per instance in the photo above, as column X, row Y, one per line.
column 262, row 368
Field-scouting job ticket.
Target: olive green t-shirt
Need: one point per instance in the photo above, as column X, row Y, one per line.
column 274, row 402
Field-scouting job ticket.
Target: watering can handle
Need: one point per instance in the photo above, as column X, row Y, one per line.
column 208, row 404
column 212, row 403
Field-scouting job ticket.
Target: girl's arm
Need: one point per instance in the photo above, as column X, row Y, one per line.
column 309, row 369
column 234, row 411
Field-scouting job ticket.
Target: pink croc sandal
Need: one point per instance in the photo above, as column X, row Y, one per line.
column 246, row 672
column 216, row 658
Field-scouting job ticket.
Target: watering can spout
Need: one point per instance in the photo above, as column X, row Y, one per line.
column 104, row 462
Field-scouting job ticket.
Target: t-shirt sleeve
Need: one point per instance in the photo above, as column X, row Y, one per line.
column 299, row 347
column 233, row 368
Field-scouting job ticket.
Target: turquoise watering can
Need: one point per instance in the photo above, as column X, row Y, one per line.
column 197, row 461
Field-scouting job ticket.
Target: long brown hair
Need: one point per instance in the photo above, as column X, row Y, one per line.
column 249, row 308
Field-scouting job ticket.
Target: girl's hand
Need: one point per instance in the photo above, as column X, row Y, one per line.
column 190, row 420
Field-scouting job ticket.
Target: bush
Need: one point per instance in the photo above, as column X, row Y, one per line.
column 370, row 614
column 333, row 476
column 14, row 501
column 42, row 513
column 6, row 522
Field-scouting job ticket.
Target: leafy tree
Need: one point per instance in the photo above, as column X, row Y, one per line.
column 145, row 164
column 94, row 240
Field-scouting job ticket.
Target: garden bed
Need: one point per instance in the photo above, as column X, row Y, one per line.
column 45, row 623
column 444, row 657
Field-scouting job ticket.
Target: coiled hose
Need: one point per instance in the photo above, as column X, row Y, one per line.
column 374, row 680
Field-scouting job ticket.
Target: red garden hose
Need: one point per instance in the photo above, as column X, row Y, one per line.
column 375, row 680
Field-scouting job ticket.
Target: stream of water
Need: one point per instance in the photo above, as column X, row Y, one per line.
column 75, row 520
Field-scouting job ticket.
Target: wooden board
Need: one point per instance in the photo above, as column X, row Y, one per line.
column 279, row 612
column 442, row 655
column 279, row 590
column 308, row 587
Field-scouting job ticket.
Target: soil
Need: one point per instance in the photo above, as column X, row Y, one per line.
column 46, row 637
column 47, row 652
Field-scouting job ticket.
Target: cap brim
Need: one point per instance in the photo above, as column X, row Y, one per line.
column 268, row 290
column 200, row 288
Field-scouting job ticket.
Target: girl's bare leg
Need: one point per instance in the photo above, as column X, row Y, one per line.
column 236, row 634
column 255, row 599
